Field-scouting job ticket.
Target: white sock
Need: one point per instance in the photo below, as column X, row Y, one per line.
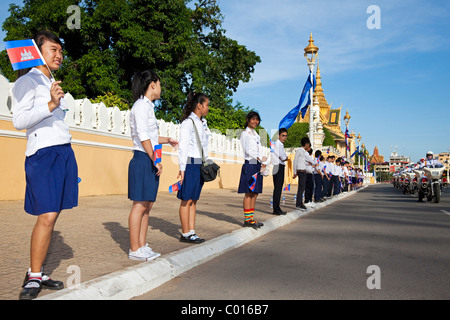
column 186, row 234
column 192, row 232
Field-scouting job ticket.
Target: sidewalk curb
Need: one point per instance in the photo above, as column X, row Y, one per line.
column 140, row 279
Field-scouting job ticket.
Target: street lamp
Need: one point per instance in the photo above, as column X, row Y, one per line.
column 347, row 120
column 359, row 146
column 364, row 157
column 311, row 53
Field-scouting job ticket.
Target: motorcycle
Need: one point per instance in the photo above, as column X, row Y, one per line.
column 432, row 185
column 410, row 185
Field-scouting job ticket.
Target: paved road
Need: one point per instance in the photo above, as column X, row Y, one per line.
column 326, row 255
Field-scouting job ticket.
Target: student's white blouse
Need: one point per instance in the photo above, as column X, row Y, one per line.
column 31, row 95
column 143, row 124
column 188, row 146
column 251, row 145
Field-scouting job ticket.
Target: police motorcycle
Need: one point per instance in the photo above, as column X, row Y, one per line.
column 395, row 180
column 432, row 184
column 405, row 181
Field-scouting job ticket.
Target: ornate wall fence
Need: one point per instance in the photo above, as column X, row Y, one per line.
column 102, row 143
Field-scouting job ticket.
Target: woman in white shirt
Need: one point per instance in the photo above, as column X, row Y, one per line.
column 145, row 167
column 190, row 157
column 50, row 166
column 251, row 181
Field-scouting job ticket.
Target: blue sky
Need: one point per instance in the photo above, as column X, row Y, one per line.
column 395, row 81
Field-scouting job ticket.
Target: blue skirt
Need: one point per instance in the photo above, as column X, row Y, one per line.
column 143, row 183
column 51, row 180
column 247, row 172
column 193, row 181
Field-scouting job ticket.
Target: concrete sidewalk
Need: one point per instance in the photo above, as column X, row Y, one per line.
column 94, row 238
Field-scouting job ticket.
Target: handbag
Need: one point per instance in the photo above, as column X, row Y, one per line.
column 208, row 169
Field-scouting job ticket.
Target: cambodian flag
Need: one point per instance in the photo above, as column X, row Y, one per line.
column 288, row 188
column 272, row 146
column 346, row 139
column 323, row 170
column 23, row 54
column 158, row 153
column 252, row 182
column 175, row 187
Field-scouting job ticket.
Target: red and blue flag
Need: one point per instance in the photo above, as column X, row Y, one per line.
column 252, row 182
column 24, row 54
column 288, row 188
column 175, row 187
column 158, row 153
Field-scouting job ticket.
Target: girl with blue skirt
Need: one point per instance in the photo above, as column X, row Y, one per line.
column 145, row 167
column 190, row 161
column 251, row 180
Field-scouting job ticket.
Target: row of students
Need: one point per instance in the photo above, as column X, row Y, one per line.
column 320, row 178
column 52, row 172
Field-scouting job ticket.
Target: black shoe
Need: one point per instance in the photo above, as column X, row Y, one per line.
column 302, row 207
column 420, row 200
column 253, row 224
column 193, row 238
column 279, row 213
column 30, row 290
column 47, row 282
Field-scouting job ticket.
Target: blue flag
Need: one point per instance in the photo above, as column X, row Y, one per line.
column 289, row 119
column 354, row 153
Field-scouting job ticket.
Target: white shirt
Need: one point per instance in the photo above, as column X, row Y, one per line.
column 300, row 160
column 31, row 95
column 188, row 146
column 320, row 167
column 278, row 154
column 251, row 145
column 143, row 124
column 310, row 161
column 329, row 167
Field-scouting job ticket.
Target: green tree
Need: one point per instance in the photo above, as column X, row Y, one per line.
column 183, row 41
column 295, row 134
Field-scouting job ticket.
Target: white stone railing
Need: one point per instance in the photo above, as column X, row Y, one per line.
column 98, row 119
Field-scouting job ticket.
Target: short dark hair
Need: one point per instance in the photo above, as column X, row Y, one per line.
column 321, row 158
column 42, row 35
column 310, row 151
column 318, row 153
column 305, row 141
column 282, row 130
column 250, row 116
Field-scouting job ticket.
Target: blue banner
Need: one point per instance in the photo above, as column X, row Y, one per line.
column 289, row 119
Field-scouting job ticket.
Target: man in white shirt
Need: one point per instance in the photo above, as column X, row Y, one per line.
column 300, row 171
column 278, row 159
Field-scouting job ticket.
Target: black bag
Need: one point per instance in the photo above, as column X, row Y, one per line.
column 208, row 169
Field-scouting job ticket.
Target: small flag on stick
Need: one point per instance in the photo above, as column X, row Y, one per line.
column 158, row 154
column 175, row 187
column 252, row 182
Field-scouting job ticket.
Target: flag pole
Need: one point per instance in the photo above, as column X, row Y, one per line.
column 42, row 58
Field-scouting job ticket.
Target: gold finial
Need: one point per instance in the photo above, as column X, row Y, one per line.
column 347, row 116
column 359, row 136
column 311, row 50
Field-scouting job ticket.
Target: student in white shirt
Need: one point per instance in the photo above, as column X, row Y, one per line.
column 327, row 186
column 299, row 169
column 337, row 177
column 143, row 171
column 251, row 179
column 311, row 163
column 50, row 166
column 190, row 161
column 318, row 176
column 278, row 159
